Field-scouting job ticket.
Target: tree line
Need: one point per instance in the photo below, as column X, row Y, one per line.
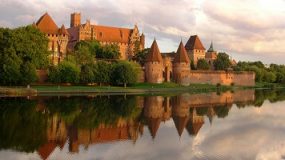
column 23, row 50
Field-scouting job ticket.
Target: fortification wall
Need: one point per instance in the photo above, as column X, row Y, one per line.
column 223, row 77
column 154, row 72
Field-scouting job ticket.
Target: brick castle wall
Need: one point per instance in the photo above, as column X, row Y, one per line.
column 223, row 77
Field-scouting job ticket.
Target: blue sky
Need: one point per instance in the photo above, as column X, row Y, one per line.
column 246, row 29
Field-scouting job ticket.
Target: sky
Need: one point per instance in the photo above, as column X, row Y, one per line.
column 248, row 30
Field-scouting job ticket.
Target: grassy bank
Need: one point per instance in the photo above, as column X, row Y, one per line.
column 139, row 88
column 17, row 91
column 136, row 88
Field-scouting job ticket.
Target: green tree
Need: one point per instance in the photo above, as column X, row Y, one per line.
column 102, row 72
column 222, row 62
column 269, row 77
column 202, row 64
column 31, row 45
column 28, row 72
column 69, row 72
column 83, row 55
column 140, row 57
column 109, row 51
column 54, row 74
column 9, row 67
column 124, row 73
column 87, row 73
column 192, row 65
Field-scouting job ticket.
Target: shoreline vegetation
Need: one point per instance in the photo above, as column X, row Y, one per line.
column 139, row 88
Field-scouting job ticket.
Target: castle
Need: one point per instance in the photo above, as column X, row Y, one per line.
column 61, row 39
column 158, row 67
column 176, row 66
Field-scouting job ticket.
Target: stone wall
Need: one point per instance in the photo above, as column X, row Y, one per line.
column 223, row 77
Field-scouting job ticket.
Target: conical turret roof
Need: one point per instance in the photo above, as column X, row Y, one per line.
column 153, row 125
column 181, row 55
column 180, row 123
column 47, row 25
column 154, row 54
column 211, row 49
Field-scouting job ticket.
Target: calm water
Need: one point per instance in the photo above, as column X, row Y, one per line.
column 233, row 125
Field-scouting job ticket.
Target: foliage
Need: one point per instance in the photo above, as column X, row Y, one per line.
column 192, row 65
column 22, row 51
column 140, row 57
column 69, row 72
column 222, row 62
column 87, row 73
column 124, row 73
column 202, row 64
column 102, row 72
column 273, row 74
column 28, row 72
column 109, row 51
column 65, row 72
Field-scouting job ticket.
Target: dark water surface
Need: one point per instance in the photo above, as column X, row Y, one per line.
column 247, row 124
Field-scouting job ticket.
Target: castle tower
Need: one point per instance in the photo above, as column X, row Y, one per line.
column 75, row 19
column 195, row 49
column 154, row 65
column 181, row 66
column 211, row 56
column 142, row 41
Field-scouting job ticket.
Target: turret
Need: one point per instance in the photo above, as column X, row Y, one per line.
column 142, row 41
column 75, row 19
column 154, row 65
column 181, row 66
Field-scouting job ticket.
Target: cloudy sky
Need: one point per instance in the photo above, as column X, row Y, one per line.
column 246, row 29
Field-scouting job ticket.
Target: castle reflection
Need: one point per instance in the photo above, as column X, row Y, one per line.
column 53, row 122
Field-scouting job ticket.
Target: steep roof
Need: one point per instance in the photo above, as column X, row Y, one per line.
column 193, row 128
column 112, row 34
column 153, row 125
column 194, row 42
column 154, row 54
column 181, row 55
column 211, row 49
column 180, row 123
column 47, row 25
column 62, row 30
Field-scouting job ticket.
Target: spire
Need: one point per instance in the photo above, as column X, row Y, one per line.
column 154, row 54
column 211, row 49
column 181, row 54
column 153, row 125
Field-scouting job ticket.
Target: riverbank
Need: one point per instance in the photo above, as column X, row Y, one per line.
column 140, row 88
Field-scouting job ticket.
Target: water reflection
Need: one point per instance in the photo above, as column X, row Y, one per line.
column 42, row 124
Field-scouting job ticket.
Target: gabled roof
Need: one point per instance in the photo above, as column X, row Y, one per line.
column 154, row 54
column 181, row 55
column 112, row 34
column 47, row 25
column 194, row 42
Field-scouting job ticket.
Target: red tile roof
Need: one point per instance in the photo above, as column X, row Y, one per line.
column 181, row 55
column 47, row 25
column 194, row 42
column 154, row 54
column 112, row 34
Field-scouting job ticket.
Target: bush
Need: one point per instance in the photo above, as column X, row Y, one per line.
column 124, row 73
column 69, row 72
column 202, row 64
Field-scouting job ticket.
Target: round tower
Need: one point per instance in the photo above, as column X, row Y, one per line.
column 154, row 65
column 181, row 66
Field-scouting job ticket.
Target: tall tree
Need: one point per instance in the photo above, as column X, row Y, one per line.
column 202, row 64
column 222, row 62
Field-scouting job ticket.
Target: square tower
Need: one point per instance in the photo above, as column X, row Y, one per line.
column 75, row 19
